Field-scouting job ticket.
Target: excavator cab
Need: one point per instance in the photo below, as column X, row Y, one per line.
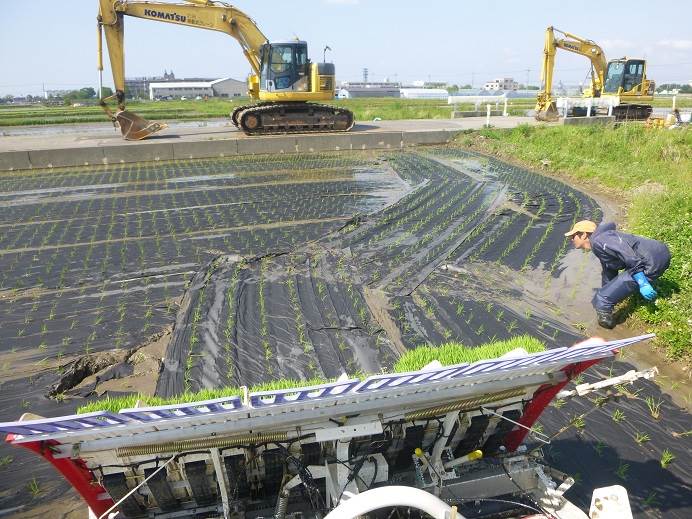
column 627, row 74
column 284, row 67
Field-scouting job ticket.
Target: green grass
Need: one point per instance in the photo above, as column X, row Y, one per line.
column 650, row 171
column 447, row 354
column 365, row 109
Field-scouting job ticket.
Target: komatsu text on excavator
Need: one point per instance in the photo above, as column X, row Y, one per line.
column 283, row 80
column 623, row 79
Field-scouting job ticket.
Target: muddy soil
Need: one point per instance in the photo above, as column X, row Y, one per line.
column 424, row 247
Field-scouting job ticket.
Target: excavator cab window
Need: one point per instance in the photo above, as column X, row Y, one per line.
column 614, row 76
column 282, row 65
column 634, row 74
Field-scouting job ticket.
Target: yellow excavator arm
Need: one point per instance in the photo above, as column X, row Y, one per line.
column 202, row 14
column 545, row 103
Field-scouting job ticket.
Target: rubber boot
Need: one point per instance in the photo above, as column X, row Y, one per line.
column 606, row 319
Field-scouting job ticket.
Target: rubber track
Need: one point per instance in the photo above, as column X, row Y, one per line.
column 237, row 111
column 276, row 106
column 632, row 112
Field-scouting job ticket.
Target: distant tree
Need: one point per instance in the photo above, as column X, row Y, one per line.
column 87, row 93
column 452, row 88
column 683, row 89
column 106, row 92
column 466, row 87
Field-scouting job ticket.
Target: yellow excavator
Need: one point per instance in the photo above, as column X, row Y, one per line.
column 623, row 78
column 284, row 83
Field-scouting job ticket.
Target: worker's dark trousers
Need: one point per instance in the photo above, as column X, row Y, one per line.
column 614, row 291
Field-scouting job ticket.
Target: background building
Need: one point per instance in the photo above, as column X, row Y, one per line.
column 507, row 84
column 139, row 86
column 424, row 93
column 361, row 89
column 224, row 87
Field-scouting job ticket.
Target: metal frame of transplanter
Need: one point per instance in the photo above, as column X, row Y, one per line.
column 452, row 433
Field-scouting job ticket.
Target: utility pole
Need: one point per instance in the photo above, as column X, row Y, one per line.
column 528, row 72
column 473, row 77
column 365, row 76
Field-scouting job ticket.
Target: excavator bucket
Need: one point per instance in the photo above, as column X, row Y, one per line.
column 549, row 115
column 136, row 128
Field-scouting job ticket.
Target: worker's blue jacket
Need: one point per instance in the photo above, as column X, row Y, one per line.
column 618, row 250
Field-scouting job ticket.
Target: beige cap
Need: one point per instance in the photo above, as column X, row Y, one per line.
column 583, row 226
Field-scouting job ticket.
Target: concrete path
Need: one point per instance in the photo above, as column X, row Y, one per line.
column 90, row 144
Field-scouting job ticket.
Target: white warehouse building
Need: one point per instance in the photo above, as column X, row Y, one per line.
column 224, row 87
column 424, row 93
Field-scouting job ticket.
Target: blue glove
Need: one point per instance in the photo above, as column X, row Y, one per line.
column 645, row 288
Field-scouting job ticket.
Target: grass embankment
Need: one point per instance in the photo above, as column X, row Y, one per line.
column 448, row 354
column 651, row 170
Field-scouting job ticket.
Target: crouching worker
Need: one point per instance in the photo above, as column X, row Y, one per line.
column 641, row 260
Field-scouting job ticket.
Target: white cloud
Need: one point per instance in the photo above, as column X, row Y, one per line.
column 675, row 44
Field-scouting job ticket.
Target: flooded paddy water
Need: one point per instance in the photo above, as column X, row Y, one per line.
column 197, row 274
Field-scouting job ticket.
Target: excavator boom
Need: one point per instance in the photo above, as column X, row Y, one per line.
column 545, row 103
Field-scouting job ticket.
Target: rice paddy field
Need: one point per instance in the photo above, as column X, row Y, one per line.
column 186, row 276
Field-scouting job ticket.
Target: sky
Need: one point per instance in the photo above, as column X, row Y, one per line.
column 51, row 44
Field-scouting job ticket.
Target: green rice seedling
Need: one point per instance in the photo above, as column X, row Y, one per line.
column 622, row 470
column 654, row 406
column 578, row 422
column 625, row 391
column 599, row 448
column 651, row 500
column 34, row 487
column 641, row 437
column 667, row 458
column 558, row 403
column 580, row 326
column 5, row 461
column 618, row 416
column 455, row 353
